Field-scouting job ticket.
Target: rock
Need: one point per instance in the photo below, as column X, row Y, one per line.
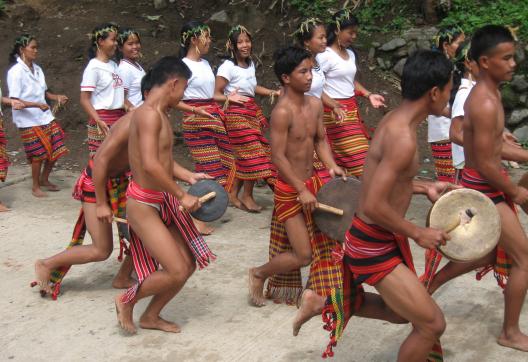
column 371, row 55
column 519, row 83
column 412, row 48
column 400, row 53
column 393, row 44
column 510, row 98
column 521, row 133
column 520, row 56
column 375, row 44
column 398, row 68
column 160, row 4
column 517, row 117
column 523, row 98
column 421, row 33
column 381, row 63
column 388, row 64
column 220, row 16
column 423, row 44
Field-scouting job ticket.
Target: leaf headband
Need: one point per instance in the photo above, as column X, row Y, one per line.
column 24, row 40
column 199, row 31
column 123, row 36
column 345, row 15
column 235, row 29
column 100, row 33
column 446, row 35
column 305, row 26
column 463, row 54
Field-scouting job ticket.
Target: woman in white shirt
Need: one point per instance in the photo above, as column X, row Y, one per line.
column 346, row 134
column 130, row 71
column 203, row 123
column 4, row 159
column 102, row 90
column 244, row 117
column 446, row 41
column 42, row 136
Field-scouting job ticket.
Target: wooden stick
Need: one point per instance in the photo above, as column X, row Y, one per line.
column 329, row 209
column 203, row 199
column 120, row 220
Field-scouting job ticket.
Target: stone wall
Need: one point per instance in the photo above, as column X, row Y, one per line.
column 391, row 55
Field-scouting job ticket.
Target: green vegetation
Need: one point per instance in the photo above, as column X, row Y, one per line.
column 472, row 14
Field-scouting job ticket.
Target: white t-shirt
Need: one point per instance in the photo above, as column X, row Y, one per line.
column 237, row 77
column 131, row 73
column 339, row 73
column 437, row 128
column 201, row 85
column 318, row 82
column 31, row 87
column 458, row 111
column 103, row 80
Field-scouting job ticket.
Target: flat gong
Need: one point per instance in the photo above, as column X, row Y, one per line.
column 212, row 208
column 340, row 194
column 472, row 222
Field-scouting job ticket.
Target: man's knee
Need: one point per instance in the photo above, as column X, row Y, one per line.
column 100, row 254
column 433, row 327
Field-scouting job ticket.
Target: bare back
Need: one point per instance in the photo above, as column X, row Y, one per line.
column 150, row 141
column 390, row 166
column 483, row 127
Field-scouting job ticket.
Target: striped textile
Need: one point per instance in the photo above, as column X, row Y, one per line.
column 324, row 275
column 472, row 179
column 443, row 159
column 95, row 136
column 348, row 138
column 209, row 144
column 84, row 191
column 252, row 151
column 370, row 254
column 43, row 142
column 4, row 159
column 170, row 213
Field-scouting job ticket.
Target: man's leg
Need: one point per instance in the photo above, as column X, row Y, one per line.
column 151, row 318
column 406, row 296
column 514, row 241
column 44, row 178
column 162, row 246
column 35, row 176
column 453, row 269
column 300, row 256
column 247, row 197
column 99, row 250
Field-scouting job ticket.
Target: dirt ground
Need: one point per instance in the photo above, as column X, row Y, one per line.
column 218, row 324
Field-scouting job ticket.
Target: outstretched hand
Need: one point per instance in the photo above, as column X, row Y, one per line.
column 377, row 100
column 197, row 176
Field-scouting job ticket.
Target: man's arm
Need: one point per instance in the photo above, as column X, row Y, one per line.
column 485, row 134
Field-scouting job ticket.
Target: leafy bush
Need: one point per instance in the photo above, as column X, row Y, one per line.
column 472, row 14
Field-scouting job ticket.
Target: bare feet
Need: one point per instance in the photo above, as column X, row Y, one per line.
column 202, row 227
column 4, row 208
column 49, row 186
column 515, row 340
column 234, row 201
column 250, row 204
column 159, row 324
column 43, row 273
column 37, row 192
column 256, row 288
column 125, row 314
column 311, row 305
column 120, row 282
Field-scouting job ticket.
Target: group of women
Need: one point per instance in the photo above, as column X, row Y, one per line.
column 223, row 126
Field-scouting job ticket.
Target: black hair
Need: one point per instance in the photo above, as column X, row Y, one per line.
column 305, row 31
column 164, row 69
column 231, row 44
column 146, row 84
column 487, row 38
column 340, row 21
column 122, row 38
column 21, row 41
column 188, row 31
column 100, row 32
column 424, row 70
column 446, row 35
column 459, row 62
column 287, row 59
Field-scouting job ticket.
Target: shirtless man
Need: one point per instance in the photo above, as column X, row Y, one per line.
column 493, row 48
column 296, row 131
column 153, row 204
column 376, row 249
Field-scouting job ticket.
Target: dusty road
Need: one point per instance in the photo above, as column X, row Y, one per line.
column 218, row 324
